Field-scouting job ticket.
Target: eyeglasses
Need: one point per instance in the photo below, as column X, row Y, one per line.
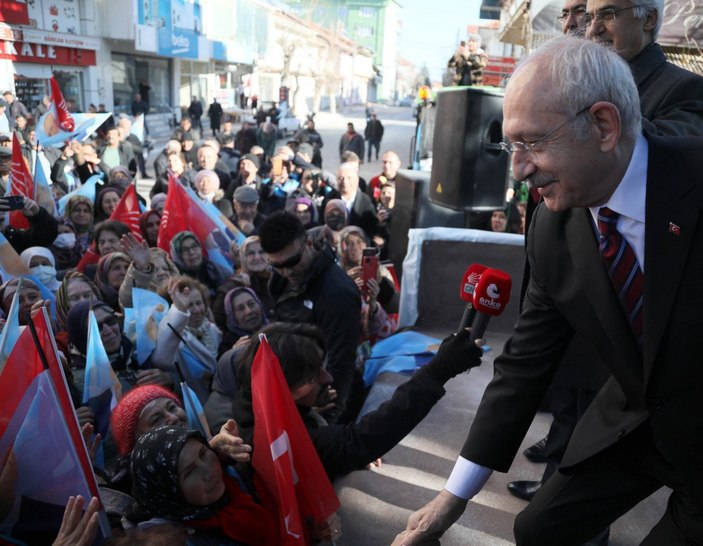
column 187, row 249
column 107, row 321
column 512, row 147
column 604, row 15
column 290, row 262
column 577, row 12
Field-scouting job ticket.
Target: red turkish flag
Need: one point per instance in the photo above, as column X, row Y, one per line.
column 174, row 215
column 127, row 211
column 64, row 116
column 284, row 457
column 20, row 183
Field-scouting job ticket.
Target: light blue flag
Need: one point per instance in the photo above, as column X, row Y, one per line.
column 401, row 352
column 11, row 330
column 101, row 389
column 129, row 327
column 42, row 191
column 87, row 189
column 194, row 372
column 194, row 411
column 138, row 128
column 50, row 135
column 149, row 310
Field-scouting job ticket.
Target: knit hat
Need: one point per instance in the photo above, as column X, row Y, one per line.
column 254, row 159
column 126, row 414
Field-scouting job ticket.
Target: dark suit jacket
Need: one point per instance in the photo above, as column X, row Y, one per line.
column 570, row 292
column 363, row 214
column 670, row 97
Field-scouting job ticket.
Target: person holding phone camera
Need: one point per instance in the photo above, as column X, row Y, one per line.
column 43, row 227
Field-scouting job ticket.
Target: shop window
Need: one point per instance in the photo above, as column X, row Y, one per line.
column 144, row 75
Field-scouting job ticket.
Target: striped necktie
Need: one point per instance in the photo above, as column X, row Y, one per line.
column 624, row 270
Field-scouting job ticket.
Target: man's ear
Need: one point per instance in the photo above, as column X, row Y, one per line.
column 607, row 124
column 650, row 21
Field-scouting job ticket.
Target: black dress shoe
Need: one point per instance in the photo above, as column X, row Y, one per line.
column 524, row 489
column 537, row 451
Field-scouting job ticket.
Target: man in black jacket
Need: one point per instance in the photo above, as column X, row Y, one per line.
column 308, row 286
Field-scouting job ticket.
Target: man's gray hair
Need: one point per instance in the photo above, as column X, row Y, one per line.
column 644, row 7
column 586, row 73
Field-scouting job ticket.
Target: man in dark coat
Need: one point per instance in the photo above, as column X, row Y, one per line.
column 373, row 134
column 214, row 112
column 352, row 141
column 308, row 286
column 195, row 111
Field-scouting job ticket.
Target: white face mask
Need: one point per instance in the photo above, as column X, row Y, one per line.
column 45, row 273
column 65, row 240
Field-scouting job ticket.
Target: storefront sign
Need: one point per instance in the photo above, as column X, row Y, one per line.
column 57, row 39
column 178, row 43
column 46, row 54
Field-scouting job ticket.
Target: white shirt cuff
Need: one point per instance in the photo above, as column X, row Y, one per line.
column 467, row 479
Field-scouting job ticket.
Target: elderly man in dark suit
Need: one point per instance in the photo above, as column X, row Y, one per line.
column 671, row 101
column 616, row 255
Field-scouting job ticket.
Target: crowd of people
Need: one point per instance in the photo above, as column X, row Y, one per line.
column 298, row 277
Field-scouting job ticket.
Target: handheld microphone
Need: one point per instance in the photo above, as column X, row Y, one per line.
column 490, row 298
column 466, row 293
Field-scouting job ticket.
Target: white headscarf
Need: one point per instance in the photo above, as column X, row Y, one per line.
column 32, row 251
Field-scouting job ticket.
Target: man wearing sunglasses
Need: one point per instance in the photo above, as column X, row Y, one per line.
column 671, row 98
column 308, row 286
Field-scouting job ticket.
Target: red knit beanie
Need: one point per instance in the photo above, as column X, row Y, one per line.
column 126, row 414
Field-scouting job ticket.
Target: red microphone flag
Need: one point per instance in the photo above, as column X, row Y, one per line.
column 284, row 457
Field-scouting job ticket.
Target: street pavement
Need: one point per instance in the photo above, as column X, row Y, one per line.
column 376, row 503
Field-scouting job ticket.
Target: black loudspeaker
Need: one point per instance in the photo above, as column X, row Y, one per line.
column 469, row 170
column 413, row 209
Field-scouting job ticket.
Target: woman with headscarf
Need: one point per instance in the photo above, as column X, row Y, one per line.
column 149, row 224
column 65, row 248
column 106, row 201
column 158, row 202
column 148, row 407
column 80, row 211
column 187, row 254
column 110, row 273
column 306, row 211
column 336, row 218
column 186, row 334
column 245, row 315
column 167, row 468
column 118, row 347
column 207, row 185
column 42, row 264
column 254, row 272
column 29, row 295
column 75, row 287
column 150, row 268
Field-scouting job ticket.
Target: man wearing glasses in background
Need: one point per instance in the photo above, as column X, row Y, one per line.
column 671, row 98
column 308, row 286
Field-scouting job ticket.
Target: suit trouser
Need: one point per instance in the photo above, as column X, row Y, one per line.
column 570, row 509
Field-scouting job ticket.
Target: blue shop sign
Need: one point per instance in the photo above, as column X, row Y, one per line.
column 178, row 43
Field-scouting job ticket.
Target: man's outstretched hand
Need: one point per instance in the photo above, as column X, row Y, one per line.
column 430, row 522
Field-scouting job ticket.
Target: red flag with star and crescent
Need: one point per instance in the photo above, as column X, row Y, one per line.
column 284, row 457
